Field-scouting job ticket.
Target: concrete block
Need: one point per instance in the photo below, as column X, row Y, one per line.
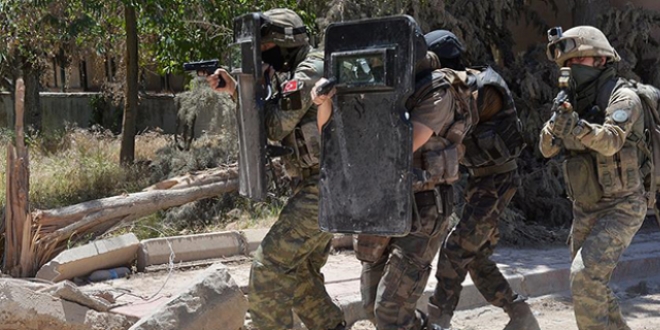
column 546, row 281
column 253, row 238
column 212, row 301
column 157, row 251
column 82, row 260
column 637, row 268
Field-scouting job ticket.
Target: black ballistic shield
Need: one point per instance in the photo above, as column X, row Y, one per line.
column 250, row 112
column 366, row 158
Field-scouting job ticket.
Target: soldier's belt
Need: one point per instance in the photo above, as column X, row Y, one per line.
column 429, row 197
column 494, row 169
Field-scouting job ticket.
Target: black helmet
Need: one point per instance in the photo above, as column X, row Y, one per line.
column 444, row 44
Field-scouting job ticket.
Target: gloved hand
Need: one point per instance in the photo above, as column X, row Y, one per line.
column 562, row 123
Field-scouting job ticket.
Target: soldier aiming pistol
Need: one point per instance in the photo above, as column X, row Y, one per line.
column 205, row 68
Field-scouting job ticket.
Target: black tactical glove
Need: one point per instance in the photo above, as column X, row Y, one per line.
column 562, row 123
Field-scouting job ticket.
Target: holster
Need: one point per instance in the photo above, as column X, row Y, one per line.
column 442, row 196
column 370, row 248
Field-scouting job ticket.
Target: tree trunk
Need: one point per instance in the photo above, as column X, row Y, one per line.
column 586, row 12
column 127, row 153
column 32, row 100
column 18, row 222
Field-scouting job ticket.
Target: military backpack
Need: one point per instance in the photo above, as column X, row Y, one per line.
column 650, row 97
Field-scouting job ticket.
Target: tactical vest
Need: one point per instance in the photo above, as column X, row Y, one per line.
column 494, row 144
column 590, row 175
column 305, row 140
column 440, row 155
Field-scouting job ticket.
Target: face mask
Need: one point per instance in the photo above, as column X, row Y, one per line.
column 274, row 58
column 584, row 74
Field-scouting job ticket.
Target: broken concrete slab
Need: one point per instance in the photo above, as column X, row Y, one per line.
column 212, row 301
column 70, row 292
column 82, row 260
column 253, row 238
column 157, row 251
column 25, row 309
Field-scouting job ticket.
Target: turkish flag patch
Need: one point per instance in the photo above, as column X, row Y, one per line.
column 292, row 86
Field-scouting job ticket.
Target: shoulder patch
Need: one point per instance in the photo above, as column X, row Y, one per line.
column 620, row 116
column 292, row 85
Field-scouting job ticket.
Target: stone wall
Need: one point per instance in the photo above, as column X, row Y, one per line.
column 58, row 109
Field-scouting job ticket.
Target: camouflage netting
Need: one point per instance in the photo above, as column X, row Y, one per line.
column 207, row 138
column 540, row 211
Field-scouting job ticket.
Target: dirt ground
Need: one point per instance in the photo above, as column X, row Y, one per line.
column 640, row 303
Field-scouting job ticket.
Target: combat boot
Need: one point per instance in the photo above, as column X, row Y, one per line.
column 437, row 319
column 521, row 316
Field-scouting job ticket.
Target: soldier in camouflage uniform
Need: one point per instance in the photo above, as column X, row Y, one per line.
column 491, row 149
column 286, row 271
column 601, row 133
column 395, row 270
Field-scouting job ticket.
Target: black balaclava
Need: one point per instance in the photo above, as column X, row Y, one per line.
column 587, row 81
column 447, row 47
column 274, row 58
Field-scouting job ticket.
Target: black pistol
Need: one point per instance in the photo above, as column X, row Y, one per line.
column 208, row 67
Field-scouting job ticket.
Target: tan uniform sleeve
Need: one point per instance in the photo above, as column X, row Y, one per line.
column 624, row 110
column 435, row 111
column 547, row 143
column 280, row 123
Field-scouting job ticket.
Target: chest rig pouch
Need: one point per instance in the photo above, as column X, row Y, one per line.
column 305, row 139
column 441, row 154
column 582, row 184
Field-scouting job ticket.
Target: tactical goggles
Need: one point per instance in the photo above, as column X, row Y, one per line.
column 560, row 47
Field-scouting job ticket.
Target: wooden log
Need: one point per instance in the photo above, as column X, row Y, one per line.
column 59, row 226
column 221, row 181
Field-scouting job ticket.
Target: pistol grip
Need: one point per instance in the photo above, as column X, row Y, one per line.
column 326, row 87
column 221, row 82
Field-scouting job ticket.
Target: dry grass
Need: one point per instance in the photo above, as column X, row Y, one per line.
column 76, row 165
column 80, row 165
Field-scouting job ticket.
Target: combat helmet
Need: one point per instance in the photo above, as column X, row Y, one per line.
column 447, row 47
column 284, row 28
column 580, row 41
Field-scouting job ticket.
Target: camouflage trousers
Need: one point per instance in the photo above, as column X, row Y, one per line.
column 286, row 271
column 391, row 286
column 470, row 244
column 599, row 236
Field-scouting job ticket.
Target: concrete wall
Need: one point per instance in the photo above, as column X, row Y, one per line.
column 62, row 108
